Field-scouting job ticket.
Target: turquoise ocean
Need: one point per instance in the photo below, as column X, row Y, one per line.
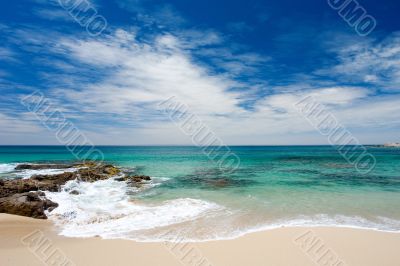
column 190, row 197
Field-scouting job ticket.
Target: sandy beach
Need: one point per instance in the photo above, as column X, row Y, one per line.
column 199, row 133
column 26, row 241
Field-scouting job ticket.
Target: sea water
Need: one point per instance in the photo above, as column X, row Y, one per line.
column 191, row 198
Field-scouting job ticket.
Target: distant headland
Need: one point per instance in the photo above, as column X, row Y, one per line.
column 394, row 144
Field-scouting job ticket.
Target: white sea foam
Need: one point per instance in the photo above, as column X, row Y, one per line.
column 26, row 174
column 218, row 232
column 323, row 220
column 103, row 208
column 7, row 167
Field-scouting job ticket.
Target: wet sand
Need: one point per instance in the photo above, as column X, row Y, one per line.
column 26, row 241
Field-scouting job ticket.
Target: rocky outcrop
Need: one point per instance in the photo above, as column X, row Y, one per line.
column 43, row 166
column 10, row 187
column 93, row 173
column 31, row 204
column 25, row 197
column 135, row 180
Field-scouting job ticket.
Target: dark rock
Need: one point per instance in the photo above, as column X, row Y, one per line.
column 50, row 209
column 35, row 183
column 54, row 182
column 111, row 170
column 11, row 187
column 30, row 204
column 137, row 178
column 90, row 175
column 42, row 166
column 74, row 192
column 24, row 196
column 93, row 172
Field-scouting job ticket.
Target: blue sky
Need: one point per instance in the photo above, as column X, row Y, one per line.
column 239, row 65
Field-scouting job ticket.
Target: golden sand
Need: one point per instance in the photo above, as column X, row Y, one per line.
column 25, row 241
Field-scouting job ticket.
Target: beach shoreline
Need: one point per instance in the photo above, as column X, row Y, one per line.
column 20, row 239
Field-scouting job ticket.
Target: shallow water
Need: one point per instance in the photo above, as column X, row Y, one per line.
column 192, row 198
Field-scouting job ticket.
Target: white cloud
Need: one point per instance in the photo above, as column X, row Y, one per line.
column 379, row 112
column 7, row 54
column 370, row 61
column 16, row 125
column 147, row 73
column 56, row 13
column 130, row 75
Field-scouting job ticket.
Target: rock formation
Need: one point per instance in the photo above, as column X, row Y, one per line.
column 25, row 197
column 31, row 204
